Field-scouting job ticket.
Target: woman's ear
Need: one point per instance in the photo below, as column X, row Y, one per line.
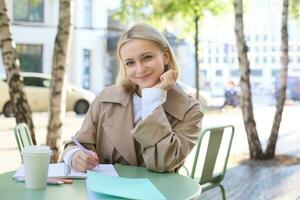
column 166, row 56
column 166, row 68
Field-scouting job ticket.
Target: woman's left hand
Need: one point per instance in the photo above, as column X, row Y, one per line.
column 167, row 80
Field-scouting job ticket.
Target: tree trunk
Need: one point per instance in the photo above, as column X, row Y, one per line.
column 196, row 41
column 58, row 89
column 270, row 152
column 21, row 108
column 246, row 101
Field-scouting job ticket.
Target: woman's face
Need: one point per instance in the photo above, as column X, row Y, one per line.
column 144, row 62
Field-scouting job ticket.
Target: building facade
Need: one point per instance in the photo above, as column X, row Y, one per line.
column 34, row 27
column 262, row 24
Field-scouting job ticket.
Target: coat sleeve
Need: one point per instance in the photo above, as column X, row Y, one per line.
column 87, row 133
column 165, row 148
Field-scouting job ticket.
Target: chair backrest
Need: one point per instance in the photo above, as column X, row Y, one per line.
column 215, row 136
column 23, row 136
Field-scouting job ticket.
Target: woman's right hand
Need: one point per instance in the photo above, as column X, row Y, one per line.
column 167, row 80
column 82, row 161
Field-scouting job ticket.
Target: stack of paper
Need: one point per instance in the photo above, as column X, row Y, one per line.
column 61, row 170
column 101, row 186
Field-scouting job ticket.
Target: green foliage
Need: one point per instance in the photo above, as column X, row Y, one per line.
column 295, row 9
column 164, row 13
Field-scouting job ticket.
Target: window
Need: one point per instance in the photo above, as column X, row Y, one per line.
column 209, row 50
column 275, row 72
column 235, row 72
column 265, row 49
column 37, row 82
column 31, row 57
column 201, row 60
column 256, row 72
column 273, row 59
column 28, row 10
column 86, row 80
column 264, row 59
column 219, row 72
column 248, row 38
column 88, row 13
column 256, row 59
column 273, row 48
column 217, row 60
column 226, row 48
column 203, row 73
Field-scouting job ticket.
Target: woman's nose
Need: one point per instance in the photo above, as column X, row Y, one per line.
column 140, row 67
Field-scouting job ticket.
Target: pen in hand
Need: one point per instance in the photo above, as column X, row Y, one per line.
column 82, row 147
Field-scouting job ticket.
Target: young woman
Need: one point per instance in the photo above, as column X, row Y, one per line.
column 143, row 120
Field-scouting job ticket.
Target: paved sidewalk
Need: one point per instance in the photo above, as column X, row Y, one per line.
column 261, row 180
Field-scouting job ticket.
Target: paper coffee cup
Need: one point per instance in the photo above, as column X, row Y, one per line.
column 36, row 162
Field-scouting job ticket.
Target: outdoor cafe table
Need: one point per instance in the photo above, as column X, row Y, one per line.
column 172, row 185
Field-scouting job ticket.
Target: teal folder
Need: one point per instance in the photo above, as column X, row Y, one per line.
column 112, row 187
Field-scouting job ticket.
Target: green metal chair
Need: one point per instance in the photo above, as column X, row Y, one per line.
column 214, row 135
column 23, row 137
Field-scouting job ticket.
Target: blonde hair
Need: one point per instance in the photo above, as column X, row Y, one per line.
column 146, row 32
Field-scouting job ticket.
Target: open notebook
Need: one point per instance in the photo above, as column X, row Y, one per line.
column 62, row 170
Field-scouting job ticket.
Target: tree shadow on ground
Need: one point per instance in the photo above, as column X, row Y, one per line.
column 271, row 179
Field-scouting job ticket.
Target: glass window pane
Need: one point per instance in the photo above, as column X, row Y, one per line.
column 235, row 72
column 275, row 72
column 20, row 10
column 219, row 72
column 31, row 57
column 34, row 81
column 29, row 10
column 88, row 13
column 86, row 68
column 256, row 72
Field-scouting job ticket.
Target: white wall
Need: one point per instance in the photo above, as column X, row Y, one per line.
column 92, row 38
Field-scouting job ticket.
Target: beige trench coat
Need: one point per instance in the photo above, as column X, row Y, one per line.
column 160, row 142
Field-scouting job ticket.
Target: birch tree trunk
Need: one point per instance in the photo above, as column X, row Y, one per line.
column 18, row 99
column 58, row 90
column 270, row 151
column 246, row 96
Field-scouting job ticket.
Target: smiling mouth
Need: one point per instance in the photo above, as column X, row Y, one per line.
column 141, row 77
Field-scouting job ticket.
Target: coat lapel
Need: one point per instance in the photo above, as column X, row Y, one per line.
column 121, row 123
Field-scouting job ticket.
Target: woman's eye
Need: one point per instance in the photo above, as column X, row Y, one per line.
column 129, row 63
column 148, row 57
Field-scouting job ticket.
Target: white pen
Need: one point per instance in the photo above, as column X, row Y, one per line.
column 81, row 147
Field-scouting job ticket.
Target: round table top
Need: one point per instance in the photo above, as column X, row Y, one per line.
column 172, row 185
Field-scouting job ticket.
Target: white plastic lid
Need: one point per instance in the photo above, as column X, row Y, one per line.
column 34, row 149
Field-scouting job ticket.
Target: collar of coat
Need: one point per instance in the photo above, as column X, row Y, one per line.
column 177, row 103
